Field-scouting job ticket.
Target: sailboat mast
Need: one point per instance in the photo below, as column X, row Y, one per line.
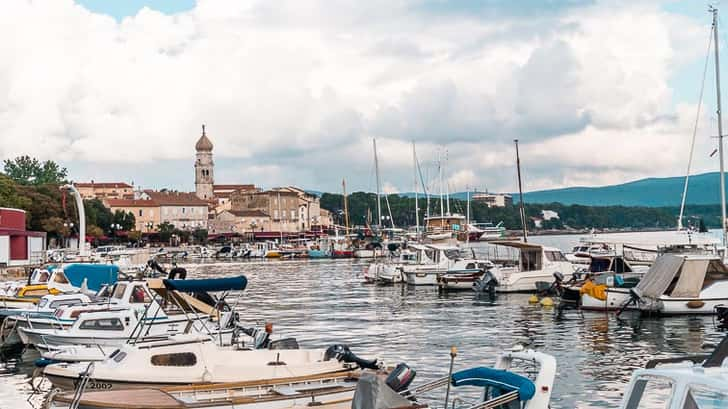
column 467, row 219
column 447, row 189
column 720, row 129
column 346, row 206
column 439, row 169
column 379, row 193
column 520, row 193
column 417, row 203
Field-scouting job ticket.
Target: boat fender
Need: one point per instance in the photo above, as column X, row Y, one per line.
column 533, row 299
column 547, row 302
column 342, row 353
column 401, row 377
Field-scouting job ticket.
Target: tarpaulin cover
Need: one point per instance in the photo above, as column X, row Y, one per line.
column 691, row 278
column 503, row 380
column 207, row 284
column 660, row 275
column 96, row 275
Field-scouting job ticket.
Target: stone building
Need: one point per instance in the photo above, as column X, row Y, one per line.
column 147, row 214
column 104, row 190
column 204, row 168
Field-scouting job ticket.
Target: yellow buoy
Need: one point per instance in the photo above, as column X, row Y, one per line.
column 547, row 302
column 533, row 299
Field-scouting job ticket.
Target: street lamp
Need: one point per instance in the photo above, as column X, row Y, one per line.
column 114, row 227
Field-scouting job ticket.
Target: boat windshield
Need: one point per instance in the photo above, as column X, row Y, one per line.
column 452, row 254
column 703, row 397
column 119, row 291
column 651, row 392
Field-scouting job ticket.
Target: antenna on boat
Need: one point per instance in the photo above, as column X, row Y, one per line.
column 520, row 193
column 720, row 127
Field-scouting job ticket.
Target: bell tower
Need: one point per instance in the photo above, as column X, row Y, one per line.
column 204, row 167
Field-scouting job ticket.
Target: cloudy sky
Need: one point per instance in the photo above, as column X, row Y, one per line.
column 292, row 91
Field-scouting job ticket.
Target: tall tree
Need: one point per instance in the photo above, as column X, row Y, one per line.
column 30, row 171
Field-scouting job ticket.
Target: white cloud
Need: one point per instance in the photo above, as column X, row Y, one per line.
column 292, row 92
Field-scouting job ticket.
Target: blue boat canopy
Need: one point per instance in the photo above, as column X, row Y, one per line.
column 96, row 275
column 207, row 284
column 499, row 379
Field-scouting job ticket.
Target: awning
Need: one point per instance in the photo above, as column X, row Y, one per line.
column 207, row 284
column 660, row 275
column 96, row 275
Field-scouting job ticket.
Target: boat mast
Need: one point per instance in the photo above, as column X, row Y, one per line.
column 439, row 169
column 720, row 128
column 417, row 204
column 280, row 215
column 520, row 192
column 346, row 206
column 447, row 189
column 379, row 193
column 467, row 219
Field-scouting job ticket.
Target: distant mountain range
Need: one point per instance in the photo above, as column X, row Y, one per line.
column 703, row 189
column 650, row 192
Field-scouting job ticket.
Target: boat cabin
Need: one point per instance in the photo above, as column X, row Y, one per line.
column 535, row 257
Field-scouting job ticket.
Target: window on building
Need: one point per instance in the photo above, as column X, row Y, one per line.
column 183, row 210
column 141, row 212
column 275, row 213
column 103, row 324
column 175, row 359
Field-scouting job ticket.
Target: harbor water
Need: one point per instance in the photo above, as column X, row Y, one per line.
column 324, row 302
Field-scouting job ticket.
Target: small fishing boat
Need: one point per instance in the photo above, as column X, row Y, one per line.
column 463, row 274
column 305, row 391
column 502, row 386
column 183, row 360
column 675, row 284
column 535, row 264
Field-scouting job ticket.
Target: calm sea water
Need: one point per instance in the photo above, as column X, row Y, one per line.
column 323, row 302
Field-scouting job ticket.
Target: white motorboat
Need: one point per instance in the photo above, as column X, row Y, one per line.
column 582, row 253
column 113, row 327
column 132, row 295
column 535, row 264
column 676, row 284
column 463, row 274
column 306, row 391
column 692, row 382
column 182, row 360
column 390, row 270
column 433, row 259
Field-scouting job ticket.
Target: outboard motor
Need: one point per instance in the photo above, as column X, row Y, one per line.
column 401, row 377
column 486, row 284
column 721, row 312
column 261, row 338
column 343, row 353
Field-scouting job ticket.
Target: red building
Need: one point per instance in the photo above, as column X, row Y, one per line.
column 19, row 246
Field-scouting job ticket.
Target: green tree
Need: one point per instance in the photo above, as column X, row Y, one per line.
column 165, row 231
column 30, row 171
column 200, row 235
column 126, row 220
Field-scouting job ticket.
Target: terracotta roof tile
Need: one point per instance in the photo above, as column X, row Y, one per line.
column 104, row 185
column 175, row 198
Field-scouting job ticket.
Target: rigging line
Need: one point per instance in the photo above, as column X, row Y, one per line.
column 695, row 130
